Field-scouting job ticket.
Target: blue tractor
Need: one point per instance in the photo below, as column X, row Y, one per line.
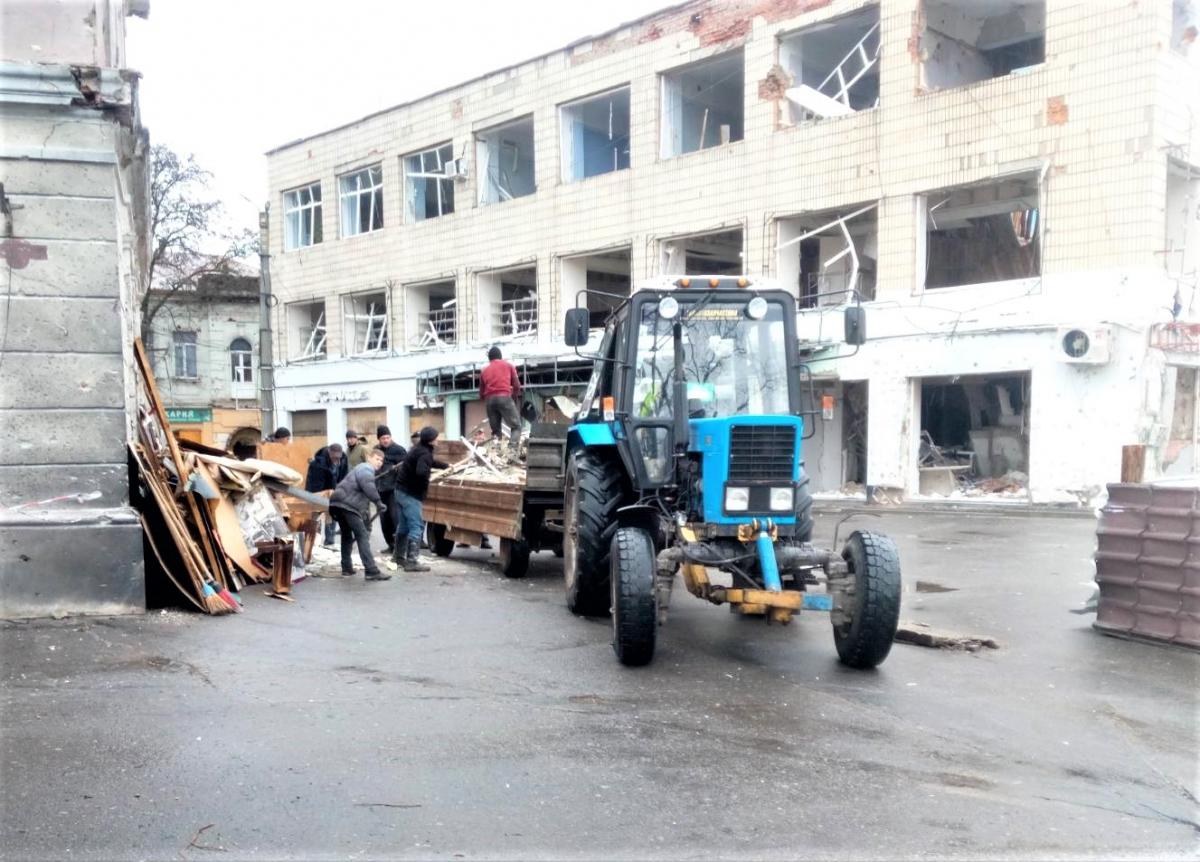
column 685, row 458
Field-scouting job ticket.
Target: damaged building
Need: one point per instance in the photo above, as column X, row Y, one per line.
column 73, row 200
column 1009, row 187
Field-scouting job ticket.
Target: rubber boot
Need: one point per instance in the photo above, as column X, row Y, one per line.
column 398, row 554
column 412, row 562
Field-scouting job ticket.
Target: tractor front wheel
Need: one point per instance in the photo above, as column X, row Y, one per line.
column 634, row 600
column 872, row 608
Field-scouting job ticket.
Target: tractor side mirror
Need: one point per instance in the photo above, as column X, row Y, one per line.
column 576, row 328
column 856, row 325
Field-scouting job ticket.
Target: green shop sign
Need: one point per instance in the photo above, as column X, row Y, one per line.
column 189, row 414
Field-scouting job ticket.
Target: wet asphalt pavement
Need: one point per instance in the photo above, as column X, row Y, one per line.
column 459, row 715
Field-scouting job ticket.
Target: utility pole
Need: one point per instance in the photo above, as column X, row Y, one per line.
column 266, row 353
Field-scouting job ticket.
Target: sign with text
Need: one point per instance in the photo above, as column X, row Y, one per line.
column 189, row 414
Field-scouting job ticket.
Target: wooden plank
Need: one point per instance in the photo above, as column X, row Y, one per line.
column 1133, row 464
column 293, row 455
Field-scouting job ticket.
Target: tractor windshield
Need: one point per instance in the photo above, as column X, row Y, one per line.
column 732, row 364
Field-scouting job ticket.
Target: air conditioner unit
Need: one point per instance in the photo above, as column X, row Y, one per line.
column 1084, row 345
column 455, row 168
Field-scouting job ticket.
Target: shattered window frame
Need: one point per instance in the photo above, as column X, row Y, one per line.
column 184, row 342
column 573, row 146
column 312, row 332
column 302, row 217
column 987, row 58
column 673, row 104
column 241, row 358
column 360, row 201
column 848, row 86
column 495, row 184
column 423, row 171
column 366, row 324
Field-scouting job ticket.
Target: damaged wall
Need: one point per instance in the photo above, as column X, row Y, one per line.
column 72, row 167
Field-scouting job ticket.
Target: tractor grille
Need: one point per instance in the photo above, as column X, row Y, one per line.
column 762, row 452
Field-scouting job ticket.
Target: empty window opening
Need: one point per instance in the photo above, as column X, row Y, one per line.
column 184, row 343
column 1182, row 251
column 508, row 302
column 1179, row 456
column 717, row 253
column 241, row 358
column 973, row 40
column 830, row 256
column 302, row 217
column 703, row 105
column 836, row 453
column 1185, row 19
column 429, row 183
column 595, row 135
column 602, row 280
column 975, row 435
column 366, row 316
column 309, row 423
column 306, row 330
column 983, row 233
column 834, row 66
column 506, row 162
column 431, row 316
column 361, row 196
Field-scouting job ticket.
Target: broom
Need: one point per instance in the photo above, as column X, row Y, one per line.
column 213, row 602
column 224, row 595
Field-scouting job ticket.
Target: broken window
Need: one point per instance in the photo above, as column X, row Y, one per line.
column 975, row 434
column 834, row 66
column 431, row 314
column 302, row 217
column 366, row 322
column 973, row 40
column 508, row 300
column 1184, row 21
column 306, row 328
column 602, row 280
column 595, row 135
column 361, row 196
column 429, row 183
column 703, row 105
column 830, row 256
column 506, row 163
column 1182, row 249
column 982, row 233
column 309, row 423
column 718, row 253
column 241, row 357
column 185, row 354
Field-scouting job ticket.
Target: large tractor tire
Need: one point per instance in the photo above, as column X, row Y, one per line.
column 438, row 543
column 514, row 557
column 864, row 640
column 634, row 600
column 593, row 493
column 804, row 509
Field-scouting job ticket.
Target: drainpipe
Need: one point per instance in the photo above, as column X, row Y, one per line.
column 266, row 353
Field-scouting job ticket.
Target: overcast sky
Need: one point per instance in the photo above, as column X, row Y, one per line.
column 227, row 80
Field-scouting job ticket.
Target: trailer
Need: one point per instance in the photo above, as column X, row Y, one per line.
column 520, row 504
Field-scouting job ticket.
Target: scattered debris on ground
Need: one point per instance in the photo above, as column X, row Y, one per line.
column 920, row 634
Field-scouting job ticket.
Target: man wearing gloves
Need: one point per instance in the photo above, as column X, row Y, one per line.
column 385, row 481
column 412, row 484
column 350, row 507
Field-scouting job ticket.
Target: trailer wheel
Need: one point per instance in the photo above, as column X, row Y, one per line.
column 592, row 496
column 864, row 640
column 438, row 542
column 634, row 599
column 514, row 557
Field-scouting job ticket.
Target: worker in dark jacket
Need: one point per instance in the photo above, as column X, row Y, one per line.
column 412, row 484
column 350, row 506
column 325, row 470
column 385, row 481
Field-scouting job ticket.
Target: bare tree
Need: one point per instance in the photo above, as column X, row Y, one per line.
column 185, row 222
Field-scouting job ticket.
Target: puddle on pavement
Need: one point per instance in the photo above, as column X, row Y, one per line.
column 931, row 587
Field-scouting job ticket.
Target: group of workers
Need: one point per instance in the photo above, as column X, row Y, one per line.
column 396, row 480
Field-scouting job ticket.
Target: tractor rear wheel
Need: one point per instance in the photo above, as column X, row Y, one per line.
column 592, row 496
column 864, row 639
column 634, row 599
column 438, row 543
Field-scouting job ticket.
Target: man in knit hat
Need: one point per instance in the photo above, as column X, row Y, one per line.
column 412, row 484
column 356, row 449
column 385, row 481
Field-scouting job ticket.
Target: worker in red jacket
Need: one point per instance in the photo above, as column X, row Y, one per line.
column 500, row 390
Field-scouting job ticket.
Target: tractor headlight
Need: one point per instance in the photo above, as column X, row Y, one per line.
column 756, row 309
column 782, row 499
column 668, row 307
column 737, row 499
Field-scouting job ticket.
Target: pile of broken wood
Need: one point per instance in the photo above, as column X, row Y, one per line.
column 482, row 461
column 212, row 523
